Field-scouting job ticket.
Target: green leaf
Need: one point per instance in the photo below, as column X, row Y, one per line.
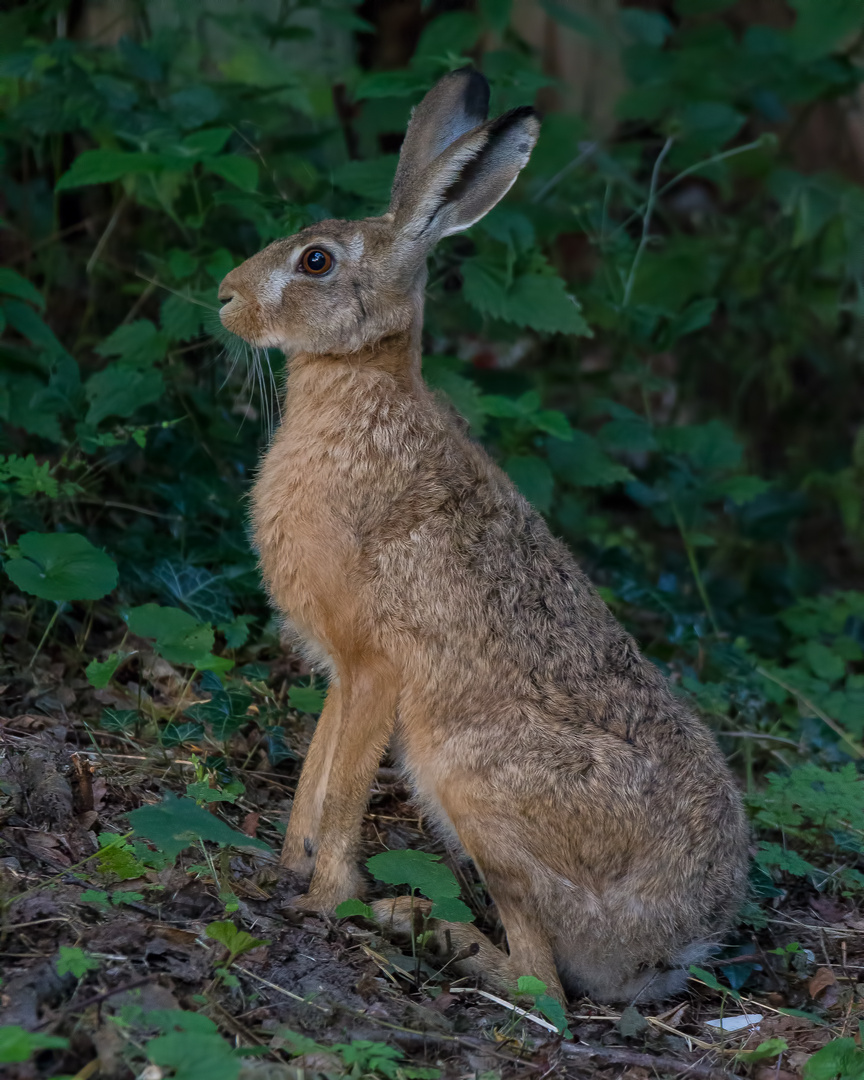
column 496, row 13
column 103, row 166
column 824, row 663
column 204, row 593
column 61, row 566
column 235, row 941
column 120, row 390
column 207, row 141
column 118, row 719
column 13, row 284
column 242, row 172
column 99, row 674
column 24, row 319
column 370, row 179
column 180, row 637
column 452, row 33
column 306, row 699
column 17, row 1045
column 176, row 823
column 417, row 869
column 541, row 301
column 94, row 896
column 74, row 961
column 841, row 1059
column 452, row 909
column 195, row 1055
column 822, row 25
column 582, row 462
column 771, row 1048
column 533, row 478
column 771, row 854
column 181, row 318
column 710, row 447
column 137, row 343
column 553, row 1010
column 354, row 907
column 530, row 986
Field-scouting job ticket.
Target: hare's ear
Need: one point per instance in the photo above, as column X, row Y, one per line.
column 456, row 103
column 468, row 178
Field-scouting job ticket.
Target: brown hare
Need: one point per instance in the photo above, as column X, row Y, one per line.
column 455, row 627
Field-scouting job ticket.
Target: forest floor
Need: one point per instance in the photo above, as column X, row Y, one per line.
column 94, row 948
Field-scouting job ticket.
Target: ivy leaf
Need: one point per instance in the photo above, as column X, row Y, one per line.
column 61, row 566
column 177, row 823
column 118, row 719
column 197, row 589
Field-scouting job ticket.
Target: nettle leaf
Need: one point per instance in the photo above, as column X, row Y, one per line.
column 120, row 390
column 354, row 907
column 61, row 566
column 306, row 699
column 538, row 301
column 23, row 318
column 99, row 674
column 195, row 1055
column 137, row 342
column 208, row 141
column 242, row 172
column 197, row 589
column 13, row 284
column 181, row 318
column 384, row 84
column 370, row 179
column 103, row 166
column 417, row 869
column 533, row 478
column 180, row 637
column 583, row 463
column 177, row 823
column 17, row 1045
column 710, row 447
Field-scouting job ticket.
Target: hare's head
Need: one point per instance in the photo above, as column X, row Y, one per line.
column 340, row 285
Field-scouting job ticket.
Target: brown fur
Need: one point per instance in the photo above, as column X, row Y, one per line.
column 454, row 627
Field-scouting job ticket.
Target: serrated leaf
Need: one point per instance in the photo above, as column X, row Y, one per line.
column 306, row 699
column 370, row 179
column 100, row 673
column 61, row 566
column 242, row 172
column 135, row 343
column 17, row 1045
column 32, row 326
column 180, row 637
column 180, row 318
column 104, row 166
column 531, row 986
column 235, row 941
column 354, row 907
column 195, row 1056
column 119, row 390
column 583, row 463
column 417, row 869
column 451, row 909
column 824, row 663
column 176, row 823
column 533, row 478
column 74, row 961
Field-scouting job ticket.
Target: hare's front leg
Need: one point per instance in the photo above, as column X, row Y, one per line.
column 352, row 748
column 302, row 836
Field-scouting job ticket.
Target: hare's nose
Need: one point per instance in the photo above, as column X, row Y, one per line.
column 227, row 289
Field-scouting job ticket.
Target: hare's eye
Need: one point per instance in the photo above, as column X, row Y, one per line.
column 316, row 261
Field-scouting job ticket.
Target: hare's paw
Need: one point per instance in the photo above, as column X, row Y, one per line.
column 327, row 892
column 298, row 855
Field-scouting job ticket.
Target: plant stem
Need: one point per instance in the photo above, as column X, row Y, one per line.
column 694, row 569
column 44, row 637
column 808, row 704
column 646, row 220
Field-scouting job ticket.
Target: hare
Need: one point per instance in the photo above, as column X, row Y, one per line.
column 455, row 628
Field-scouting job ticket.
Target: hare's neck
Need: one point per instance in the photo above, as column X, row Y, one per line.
column 395, row 358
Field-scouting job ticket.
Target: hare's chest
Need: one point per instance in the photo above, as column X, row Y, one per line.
column 308, row 556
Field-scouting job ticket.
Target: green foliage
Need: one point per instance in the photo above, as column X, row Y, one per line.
column 61, row 566
column 190, row 1045
column 100, row 674
column 770, row 1048
column 306, row 699
column 18, row 1045
column 841, row 1059
column 235, row 941
column 550, row 1007
column 360, row 1057
column 354, row 907
column 175, row 824
column 424, row 872
column 74, row 961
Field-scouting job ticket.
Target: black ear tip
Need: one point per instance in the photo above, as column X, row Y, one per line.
column 515, row 116
column 476, row 92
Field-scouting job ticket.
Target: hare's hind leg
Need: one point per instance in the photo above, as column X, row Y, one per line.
column 469, row 951
column 353, row 741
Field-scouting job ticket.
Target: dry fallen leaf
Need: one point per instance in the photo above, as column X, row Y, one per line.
column 823, row 978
